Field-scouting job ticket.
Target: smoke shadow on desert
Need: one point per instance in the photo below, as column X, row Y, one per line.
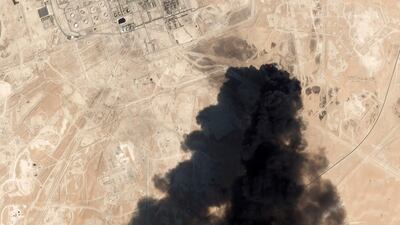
column 249, row 162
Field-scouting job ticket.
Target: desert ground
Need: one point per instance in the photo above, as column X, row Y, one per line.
column 97, row 96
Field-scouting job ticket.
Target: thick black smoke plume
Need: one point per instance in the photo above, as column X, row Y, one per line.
column 248, row 164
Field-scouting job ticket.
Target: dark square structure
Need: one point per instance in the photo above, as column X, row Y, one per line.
column 43, row 12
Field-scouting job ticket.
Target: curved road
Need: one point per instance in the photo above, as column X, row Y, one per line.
column 340, row 160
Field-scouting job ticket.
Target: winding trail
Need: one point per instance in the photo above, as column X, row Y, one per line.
column 341, row 159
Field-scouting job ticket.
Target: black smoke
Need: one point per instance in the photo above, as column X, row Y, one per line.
column 249, row 165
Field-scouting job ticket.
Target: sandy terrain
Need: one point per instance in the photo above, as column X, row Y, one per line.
column 92, row 108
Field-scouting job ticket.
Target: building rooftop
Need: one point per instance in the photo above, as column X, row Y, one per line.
column 43, row 12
